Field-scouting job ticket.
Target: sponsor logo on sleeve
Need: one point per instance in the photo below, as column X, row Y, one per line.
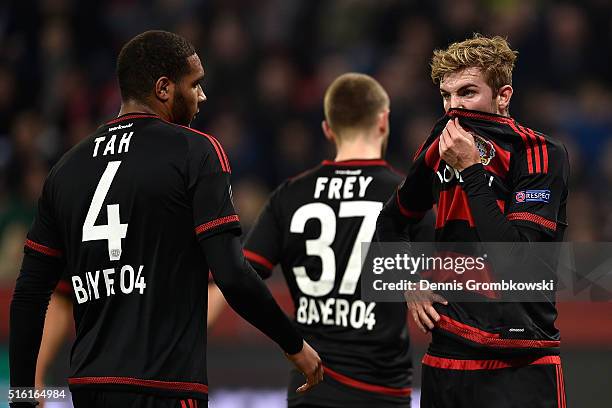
column 532, row 196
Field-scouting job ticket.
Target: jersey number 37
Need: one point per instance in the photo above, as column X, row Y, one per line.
column 321, row 247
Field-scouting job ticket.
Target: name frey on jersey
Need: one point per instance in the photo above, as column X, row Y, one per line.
column 339, row 188
column 109, row 143
column 102, row 282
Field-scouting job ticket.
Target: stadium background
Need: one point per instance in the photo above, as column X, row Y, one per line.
column 268, row 63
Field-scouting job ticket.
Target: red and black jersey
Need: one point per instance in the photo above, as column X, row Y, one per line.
column 313, row 226
column 124, row 211
column 524, row 174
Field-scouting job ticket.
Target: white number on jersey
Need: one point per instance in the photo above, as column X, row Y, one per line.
column 114, row 231
column 321, row 246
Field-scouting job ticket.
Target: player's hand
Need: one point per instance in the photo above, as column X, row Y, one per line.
column 420, row 305
column 308, row 363
column 457, row 146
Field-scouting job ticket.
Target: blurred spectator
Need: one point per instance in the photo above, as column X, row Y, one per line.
column 267, row 63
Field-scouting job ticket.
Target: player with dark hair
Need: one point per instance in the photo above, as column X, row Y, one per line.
column 137, row 213
column 313, row 226
column 476, row 165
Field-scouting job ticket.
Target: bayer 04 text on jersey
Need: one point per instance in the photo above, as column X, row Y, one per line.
column 108, row 282
column 336, row 312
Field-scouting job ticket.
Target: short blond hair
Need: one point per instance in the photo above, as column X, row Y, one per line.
column 492, row 55
column 353, row 101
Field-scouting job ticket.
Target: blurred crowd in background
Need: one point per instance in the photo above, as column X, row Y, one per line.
column 268, row 63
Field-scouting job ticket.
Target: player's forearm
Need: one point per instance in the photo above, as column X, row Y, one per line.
column 246, row 293
column 27, row 316
column 57, row 326
column 216, row 303
column 491, row 223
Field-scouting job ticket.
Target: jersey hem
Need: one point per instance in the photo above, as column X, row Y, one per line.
column 157, row 387
column 471, row 365
column 493, row 340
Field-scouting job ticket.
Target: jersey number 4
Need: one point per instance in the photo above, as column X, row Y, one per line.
column 321, row 246
column 113, row 231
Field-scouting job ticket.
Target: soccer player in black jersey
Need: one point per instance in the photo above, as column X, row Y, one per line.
column 313, row 226
column 478, row 165
column 137, row 213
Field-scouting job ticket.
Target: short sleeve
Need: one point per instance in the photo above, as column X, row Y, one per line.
column 44, row 237
column 264, row 242
column 540, row 191
column 209, row 186
column 64, row 288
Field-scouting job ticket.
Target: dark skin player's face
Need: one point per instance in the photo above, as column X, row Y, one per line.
column 188, row 93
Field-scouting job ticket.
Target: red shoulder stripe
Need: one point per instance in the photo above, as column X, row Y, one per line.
column 43, row 249
column 536, row 148
column 527, row 146
column 542, row 142
column 220, row 153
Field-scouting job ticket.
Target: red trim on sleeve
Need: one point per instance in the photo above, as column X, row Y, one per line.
column 537, row 219
column 63, row 287
column 218, row 148
column 43, row 249
column 469, row 365
column 163, row 385
column 379, row 389
column 255, row 257
column 183, row 405
column 215, row 223
column 406, row 212
column 476, row 335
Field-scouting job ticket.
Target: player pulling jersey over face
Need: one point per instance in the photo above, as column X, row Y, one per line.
column 313, row 226
column 479, row 166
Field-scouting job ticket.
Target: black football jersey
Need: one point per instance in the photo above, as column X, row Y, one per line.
column 528, row 173
column 313, row 226
column 125, row 209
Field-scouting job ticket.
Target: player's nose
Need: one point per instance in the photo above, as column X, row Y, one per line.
column 202, row 97
column 456, row 102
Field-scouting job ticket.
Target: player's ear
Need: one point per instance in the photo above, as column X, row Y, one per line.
column 503, row 99
column 383, row 122
column 328, row 132
column 164, row 89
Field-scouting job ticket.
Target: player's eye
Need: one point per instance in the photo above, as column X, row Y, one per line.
column 445, row 96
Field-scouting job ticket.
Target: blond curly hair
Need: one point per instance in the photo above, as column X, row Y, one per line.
column 492, row 55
